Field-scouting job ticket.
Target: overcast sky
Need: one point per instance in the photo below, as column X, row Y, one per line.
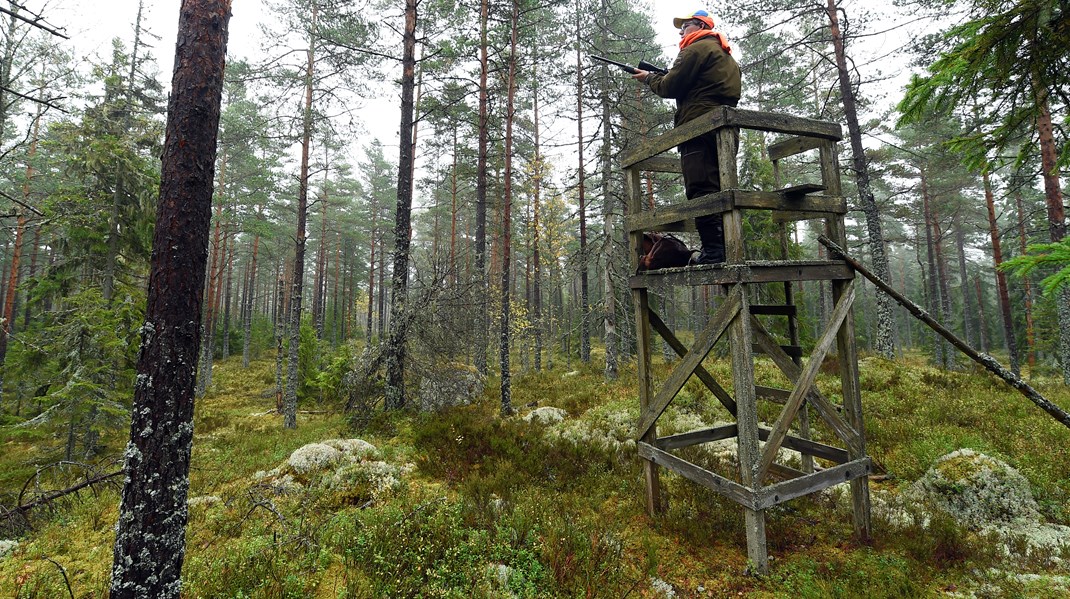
column 92, row 24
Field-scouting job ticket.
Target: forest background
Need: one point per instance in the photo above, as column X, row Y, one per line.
column 497, row 226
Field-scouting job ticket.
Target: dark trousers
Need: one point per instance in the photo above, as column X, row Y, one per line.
column 702, row 176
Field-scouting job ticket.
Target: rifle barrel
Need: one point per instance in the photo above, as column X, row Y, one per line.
column 624, row 67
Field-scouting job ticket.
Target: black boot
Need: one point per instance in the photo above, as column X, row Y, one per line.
column 711, row 232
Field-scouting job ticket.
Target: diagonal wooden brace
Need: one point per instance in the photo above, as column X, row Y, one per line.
column 805, row 382
column 824, row 407
column 683, row 371
column 703, row 374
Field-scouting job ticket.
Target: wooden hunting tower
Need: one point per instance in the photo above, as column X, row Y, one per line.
column 761, row 482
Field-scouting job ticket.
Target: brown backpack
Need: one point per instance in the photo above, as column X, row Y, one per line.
column 663, row 251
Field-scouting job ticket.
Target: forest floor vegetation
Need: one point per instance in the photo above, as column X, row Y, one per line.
column 464, row 503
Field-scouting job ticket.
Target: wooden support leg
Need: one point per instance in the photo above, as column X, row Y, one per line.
column 655, row 503
column 852, row 408
column 747, row 424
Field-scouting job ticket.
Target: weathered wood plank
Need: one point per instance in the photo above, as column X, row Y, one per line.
column 724, row 116
column 654, row 220
column 712, row 481
column 782, row 123
column 703, row 374
column 706, row 435
column 825, row 408
column 792, row 146
column 728, row 431
column 772, row 394
column 641, row 302
column 705, row 341
column 767, row 497
column 660, row 164
column 805, row 382
column 747, row 420
column 808, row 447
column 798, row 192
column 674, row 137
column 751, row 272
column 730, row 199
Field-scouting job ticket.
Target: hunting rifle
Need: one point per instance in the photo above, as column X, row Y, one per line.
column 643, row 66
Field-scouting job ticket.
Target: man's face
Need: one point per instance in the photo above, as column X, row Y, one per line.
column 688, row 27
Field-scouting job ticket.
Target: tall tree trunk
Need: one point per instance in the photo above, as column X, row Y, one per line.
column 7, row 323
column 318, row 298
column 986, row 342
column 507, row 223
column 399, row 283
column 247, row 311
column 1001, row 278
column 371, row 266
column 1030, row 341
column 609, row 305
column 885, row 342
column 945, row 293
column 585, row 323
column 290, row 400
column 481, row 320
column 964, row 278
column 150, row 534
column 1053, row 197
column 226, row 299
column 536, row 277
column 933, row 289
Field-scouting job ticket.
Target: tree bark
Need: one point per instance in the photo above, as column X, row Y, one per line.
column 150, row 534
column 1001, row 278
column 289, row 403
column 481, row 323
column 1030, row 341
column 885, row 344
column 536, row 283
column 933, row 289
column 964, row 278
column 507, row 220
column 585, row 321
column 399, row 284
column 7, row 322
column 247, row 311
column 1053, row 197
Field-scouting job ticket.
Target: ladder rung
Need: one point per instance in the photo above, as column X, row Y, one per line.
column 798, row 191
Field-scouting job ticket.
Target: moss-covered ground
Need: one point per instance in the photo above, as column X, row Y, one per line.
column 497, row 507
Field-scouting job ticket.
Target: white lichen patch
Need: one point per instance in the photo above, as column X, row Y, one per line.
column 545, row 415
column 662, row 588
column 354, row 449
column 603, row 429
column 7, row 548
column 978, row 490
column 988, row 496
column 351, row 467
column 204, row 500
column 314, row 456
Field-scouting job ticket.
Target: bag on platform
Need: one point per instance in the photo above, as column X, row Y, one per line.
column 663, row 251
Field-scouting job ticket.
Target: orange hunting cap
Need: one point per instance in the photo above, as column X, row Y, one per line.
column 698, row 15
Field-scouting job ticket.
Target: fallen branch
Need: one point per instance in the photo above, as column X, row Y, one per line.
column 990, row 363
column 54, row 495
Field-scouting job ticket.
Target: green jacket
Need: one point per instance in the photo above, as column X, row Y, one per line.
column 703, row 76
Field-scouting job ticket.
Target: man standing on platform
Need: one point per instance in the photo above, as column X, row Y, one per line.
column 704, row 76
